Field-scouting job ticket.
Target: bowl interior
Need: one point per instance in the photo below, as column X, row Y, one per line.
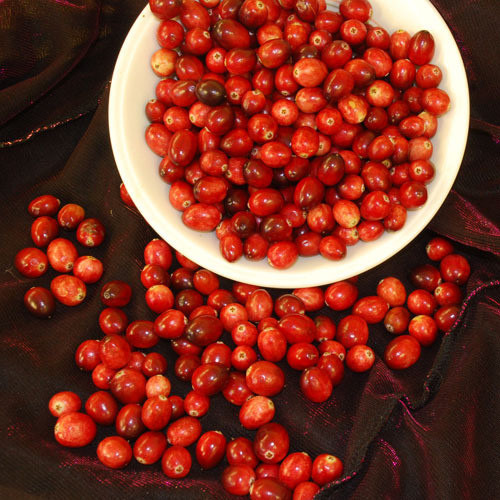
column 133, row 84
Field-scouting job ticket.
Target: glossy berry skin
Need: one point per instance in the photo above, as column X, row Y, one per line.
column 114, row 452
column 149, row 447
column 31, row 262
column 238, row 479
column 352, row 330
column 46, row 204
column 184, row 431
column 75, row 430
column 371, row 308
column 332, row 364
column 176, row 462
column 240, row 451
column 88, row 269
column 128, row 386
column 256, row 411
column 305, row 491
column 265, row 378
column 210, row 449
column 424, row 329
column 62, row 254
column 455, row 269
column 360, row 358
column 87, row 355
column 68, row 290
column 402, row 352
column 64, row 402
column 396, row 320
column 114, row 351
column 156, row 412
column 438, row 248
column 70, row 215
column 102, row 408
column 43, row 230
column 316, row 384
column 116, row 293
column 40, row 302
column 128, row 421
column 446, row 316
column 295, row 468
column 210, row 378
column 269, row 487
column 90, row 232
column 271, row 443
column 341, row 295
column 326, row 468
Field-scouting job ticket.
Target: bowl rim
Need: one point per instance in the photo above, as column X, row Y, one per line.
column 194, row 245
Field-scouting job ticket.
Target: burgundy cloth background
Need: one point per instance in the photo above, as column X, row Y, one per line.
column 428, row 432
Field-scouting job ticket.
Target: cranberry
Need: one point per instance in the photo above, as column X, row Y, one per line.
column 341, row 295
column 392, row 291
column 31, row 262
column 295, row 468
column 176, row 462
column 210, row 378
column 46, row 204
column 316, row 384
column 269, row 487
column 326, row 468
column 128, row 386
column 265, row 378
column 149, row 447
column 446, row 316
column 75, row 430
column 158, row 385
column 64, row 402
column 116, row 293
column 371, row 308
column 40, row 302
column 331, row 363
column 271, row 443
column 240, row 451
column 90, row 233
column 156, row 412
column 210, row 449
column 352, row 330
column 237, row 479
column 424, row 329
column 184, row 431
column 402, row 352
column 43, row 230
column 396, row 320
column 425, row 276
column 128, row 422
column 305, row 491
column 69, row 290
column 102, row 408
column 360, row 358
column 438, row 248
column 256, row 411
column 455, row 269
column 421, row 302
column 87, row 355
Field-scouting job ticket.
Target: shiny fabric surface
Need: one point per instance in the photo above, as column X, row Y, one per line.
column 429, row 432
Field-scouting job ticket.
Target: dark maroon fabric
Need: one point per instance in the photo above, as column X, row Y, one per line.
column 429, row 432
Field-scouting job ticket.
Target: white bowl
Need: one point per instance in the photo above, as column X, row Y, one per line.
column 134, row 83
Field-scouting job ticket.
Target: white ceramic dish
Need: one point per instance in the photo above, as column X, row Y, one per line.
column 133, row 84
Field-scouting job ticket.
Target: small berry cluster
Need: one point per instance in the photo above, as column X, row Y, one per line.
column 231, row 342
column 290, row 129
column 61, row 253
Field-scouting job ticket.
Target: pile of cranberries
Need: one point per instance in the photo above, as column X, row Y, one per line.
column 231, row 342
column 289, row 129
column 60, row 254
